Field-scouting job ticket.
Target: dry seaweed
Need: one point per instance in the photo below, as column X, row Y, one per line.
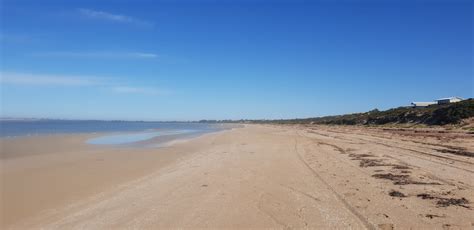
column 396, row 194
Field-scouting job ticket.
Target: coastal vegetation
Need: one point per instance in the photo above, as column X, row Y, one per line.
column 444, row 114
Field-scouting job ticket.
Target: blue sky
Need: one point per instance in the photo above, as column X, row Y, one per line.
column 187, row 60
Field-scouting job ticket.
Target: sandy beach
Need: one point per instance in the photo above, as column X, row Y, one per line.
column 252, row 177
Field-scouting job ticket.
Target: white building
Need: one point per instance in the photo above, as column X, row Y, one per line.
column 422, row 104
column 448, row 100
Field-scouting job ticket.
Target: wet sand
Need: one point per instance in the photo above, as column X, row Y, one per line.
column 252, row 177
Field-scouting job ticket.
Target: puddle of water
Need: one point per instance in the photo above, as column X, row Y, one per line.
column 120, row 139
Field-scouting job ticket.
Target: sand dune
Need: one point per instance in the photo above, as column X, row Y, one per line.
column 252, row 177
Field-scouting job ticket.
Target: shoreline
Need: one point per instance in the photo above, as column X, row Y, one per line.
column 59, row 127
column 33, row 168
column 88, row 136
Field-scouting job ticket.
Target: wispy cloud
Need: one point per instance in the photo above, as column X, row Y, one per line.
column 96, row 14
column 44, row 80
column 127, row 55
column 139, row 90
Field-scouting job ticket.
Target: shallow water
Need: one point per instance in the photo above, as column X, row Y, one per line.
column 120, row 133
column 20, row 128
column 119, row 139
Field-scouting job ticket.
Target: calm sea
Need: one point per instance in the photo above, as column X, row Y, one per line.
column 135, row 131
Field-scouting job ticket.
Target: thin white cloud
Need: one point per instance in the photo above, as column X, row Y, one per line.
column 139, row 90
column 96, row 14
column 126, row 55
column 144, row 55
column 46, row 80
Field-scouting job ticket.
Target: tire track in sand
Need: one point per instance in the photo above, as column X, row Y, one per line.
column 362, row 218
column 411, row 150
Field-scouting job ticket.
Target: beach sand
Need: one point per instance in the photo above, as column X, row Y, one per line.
column 252, row 177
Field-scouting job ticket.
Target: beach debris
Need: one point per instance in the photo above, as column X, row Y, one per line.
column 425, row 196
column 400, row 167
column 397, row 179
column 431, row 216
column 364, row 163
column 386, row 226
column 368, row 162
column 457, row 151
column 358, row 156
column 395, row 193
column 445, row 202
column 401, row 179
